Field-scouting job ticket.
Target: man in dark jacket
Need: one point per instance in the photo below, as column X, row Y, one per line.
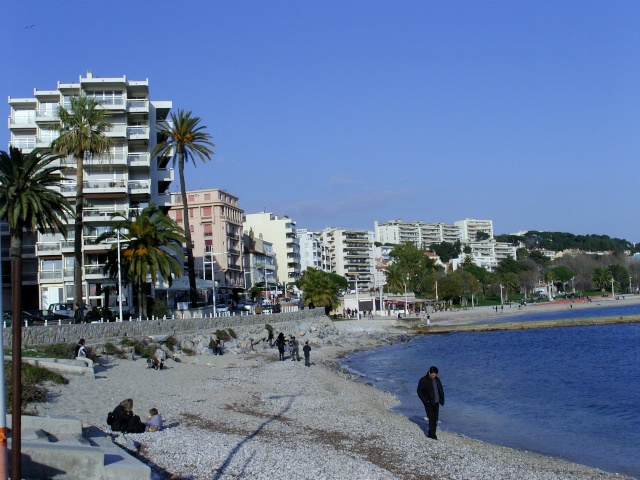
column 431, row 393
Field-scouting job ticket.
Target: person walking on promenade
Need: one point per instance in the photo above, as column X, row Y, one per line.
column 431, row 393
column 295, row 349
column 78, row 314
column 281, row 343
column 307, row 353
column 270, row 338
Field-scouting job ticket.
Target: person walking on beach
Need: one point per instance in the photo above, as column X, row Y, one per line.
column 270, row 338
column 307, row 353
column 431, row 393
column 281, row 343
column 295, row 349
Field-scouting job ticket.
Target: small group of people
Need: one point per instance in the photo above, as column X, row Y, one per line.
column 122, row 419
column 155, row 363
column 294, row 348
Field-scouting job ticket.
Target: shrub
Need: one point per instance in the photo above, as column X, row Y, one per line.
column 170, row 343
column 110, row 349
column 269, row 328
column 33, row 390
column 159, row 308
column 223, row 335
column 189, row 352
column 232, row 333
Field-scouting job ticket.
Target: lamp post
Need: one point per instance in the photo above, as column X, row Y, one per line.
column 501, row 302
column 405, row 299
column 613, row 294
column 357, row 300
column 119, row 282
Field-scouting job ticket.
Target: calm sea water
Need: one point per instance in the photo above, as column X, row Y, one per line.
column 571, row 393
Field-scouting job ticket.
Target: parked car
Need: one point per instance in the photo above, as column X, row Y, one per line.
column 246, row 306
column 65, row 309
column 39, row 316
column 222, row 308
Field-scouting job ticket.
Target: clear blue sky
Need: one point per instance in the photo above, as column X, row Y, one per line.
column 341, row 113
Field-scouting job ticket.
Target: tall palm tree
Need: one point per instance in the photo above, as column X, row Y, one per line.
column 185, row 139
column 151, row 245
column 82, row 134
column 28, row 202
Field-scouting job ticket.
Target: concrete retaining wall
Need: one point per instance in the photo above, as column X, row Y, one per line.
column 99, row 332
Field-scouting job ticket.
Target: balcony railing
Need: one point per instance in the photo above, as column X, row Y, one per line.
column 94, row 269
column 138, row 105
column 119, row 183
column 51, row 275
column 24, row 143
column 48, row 248
column 137, row 132
column 138, row 159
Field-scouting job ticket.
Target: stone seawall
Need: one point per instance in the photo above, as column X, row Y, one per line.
column 100, row 332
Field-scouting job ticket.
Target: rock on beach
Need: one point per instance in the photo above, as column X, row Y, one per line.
column 248, row 415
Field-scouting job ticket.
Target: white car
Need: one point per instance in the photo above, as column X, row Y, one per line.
column 222, row 308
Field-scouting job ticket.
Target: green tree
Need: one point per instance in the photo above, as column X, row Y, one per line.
column 482, row 275
column 539, row 257
column 562, row 275
column 446, row 251
column 151, row 245
column 396, row 278
column 601, row 277
column 321, row 288
column 412, row 266
column 28, row 203
column 185, row 139
column 459, row 285
column 620, row 275
column 81, row 131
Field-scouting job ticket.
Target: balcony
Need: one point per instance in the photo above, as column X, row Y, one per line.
column 93, row 271
column 51, row 276
column 140, row 187
column 138, row 160
column 20, row 122
column 48, row 248
column 97, row 214
column 117, row 130
column 166, row 175
column 67, row 246
column 105, row 186
column 138, row 133
column 24, row 143
column 114, row 159
column 138, row 106
column 46, row 115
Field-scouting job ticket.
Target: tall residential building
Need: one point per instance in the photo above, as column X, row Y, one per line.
column 470, row 227
column 313, row 251
column 281, row 232
column 260, row 263
column 122, row 182
column 420, row 234
column 352, row 256
column 487, row 253
column 215, row 220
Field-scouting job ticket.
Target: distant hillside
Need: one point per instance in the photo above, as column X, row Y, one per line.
column 558, row 241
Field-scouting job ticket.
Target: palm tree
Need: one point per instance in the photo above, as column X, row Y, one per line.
column 152, row 245
column 82, row 133
column 395, row 278
column 601, row 277
column 28, row 202
column 185, row 139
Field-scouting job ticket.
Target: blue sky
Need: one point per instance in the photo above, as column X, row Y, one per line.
column 341, row 113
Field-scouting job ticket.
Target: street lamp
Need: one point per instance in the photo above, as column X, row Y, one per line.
column 501, row 302
column 405, row 299
column 119, row 281
column 357, row 300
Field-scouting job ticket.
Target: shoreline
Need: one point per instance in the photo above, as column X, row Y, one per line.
column 253, row 416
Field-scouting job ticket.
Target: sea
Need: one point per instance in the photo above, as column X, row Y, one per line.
column 571, row 393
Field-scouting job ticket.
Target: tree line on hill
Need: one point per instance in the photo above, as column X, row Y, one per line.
column 559, row 241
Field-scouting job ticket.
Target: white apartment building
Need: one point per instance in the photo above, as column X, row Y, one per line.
column 420, row 234
column 123, row 181
column 352, row 256
column 313, row 252
column 469, row 228
column 487, row 254
column 281, row 232
column 215, row 220
column 260, row 264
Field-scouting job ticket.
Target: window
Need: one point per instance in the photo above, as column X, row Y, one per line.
column 178, row 215
column 206, row 212
column 23, row 117
column 192, row 212
column 207, row 196
column 208, row 230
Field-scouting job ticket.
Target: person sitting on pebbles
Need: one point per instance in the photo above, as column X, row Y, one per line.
column 154, row 421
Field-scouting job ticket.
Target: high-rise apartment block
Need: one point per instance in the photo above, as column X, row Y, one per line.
column 352, row 256
column 420, row 234
column 313, row 251
column 215, row 220
column 470, row 228
column 281, row 232
column 123, row 182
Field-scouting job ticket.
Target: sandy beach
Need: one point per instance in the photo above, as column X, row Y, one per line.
column 252, row 416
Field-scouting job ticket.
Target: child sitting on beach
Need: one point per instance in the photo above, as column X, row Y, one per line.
column 154, row 422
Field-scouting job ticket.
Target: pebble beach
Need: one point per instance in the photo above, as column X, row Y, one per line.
column 249, row 415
